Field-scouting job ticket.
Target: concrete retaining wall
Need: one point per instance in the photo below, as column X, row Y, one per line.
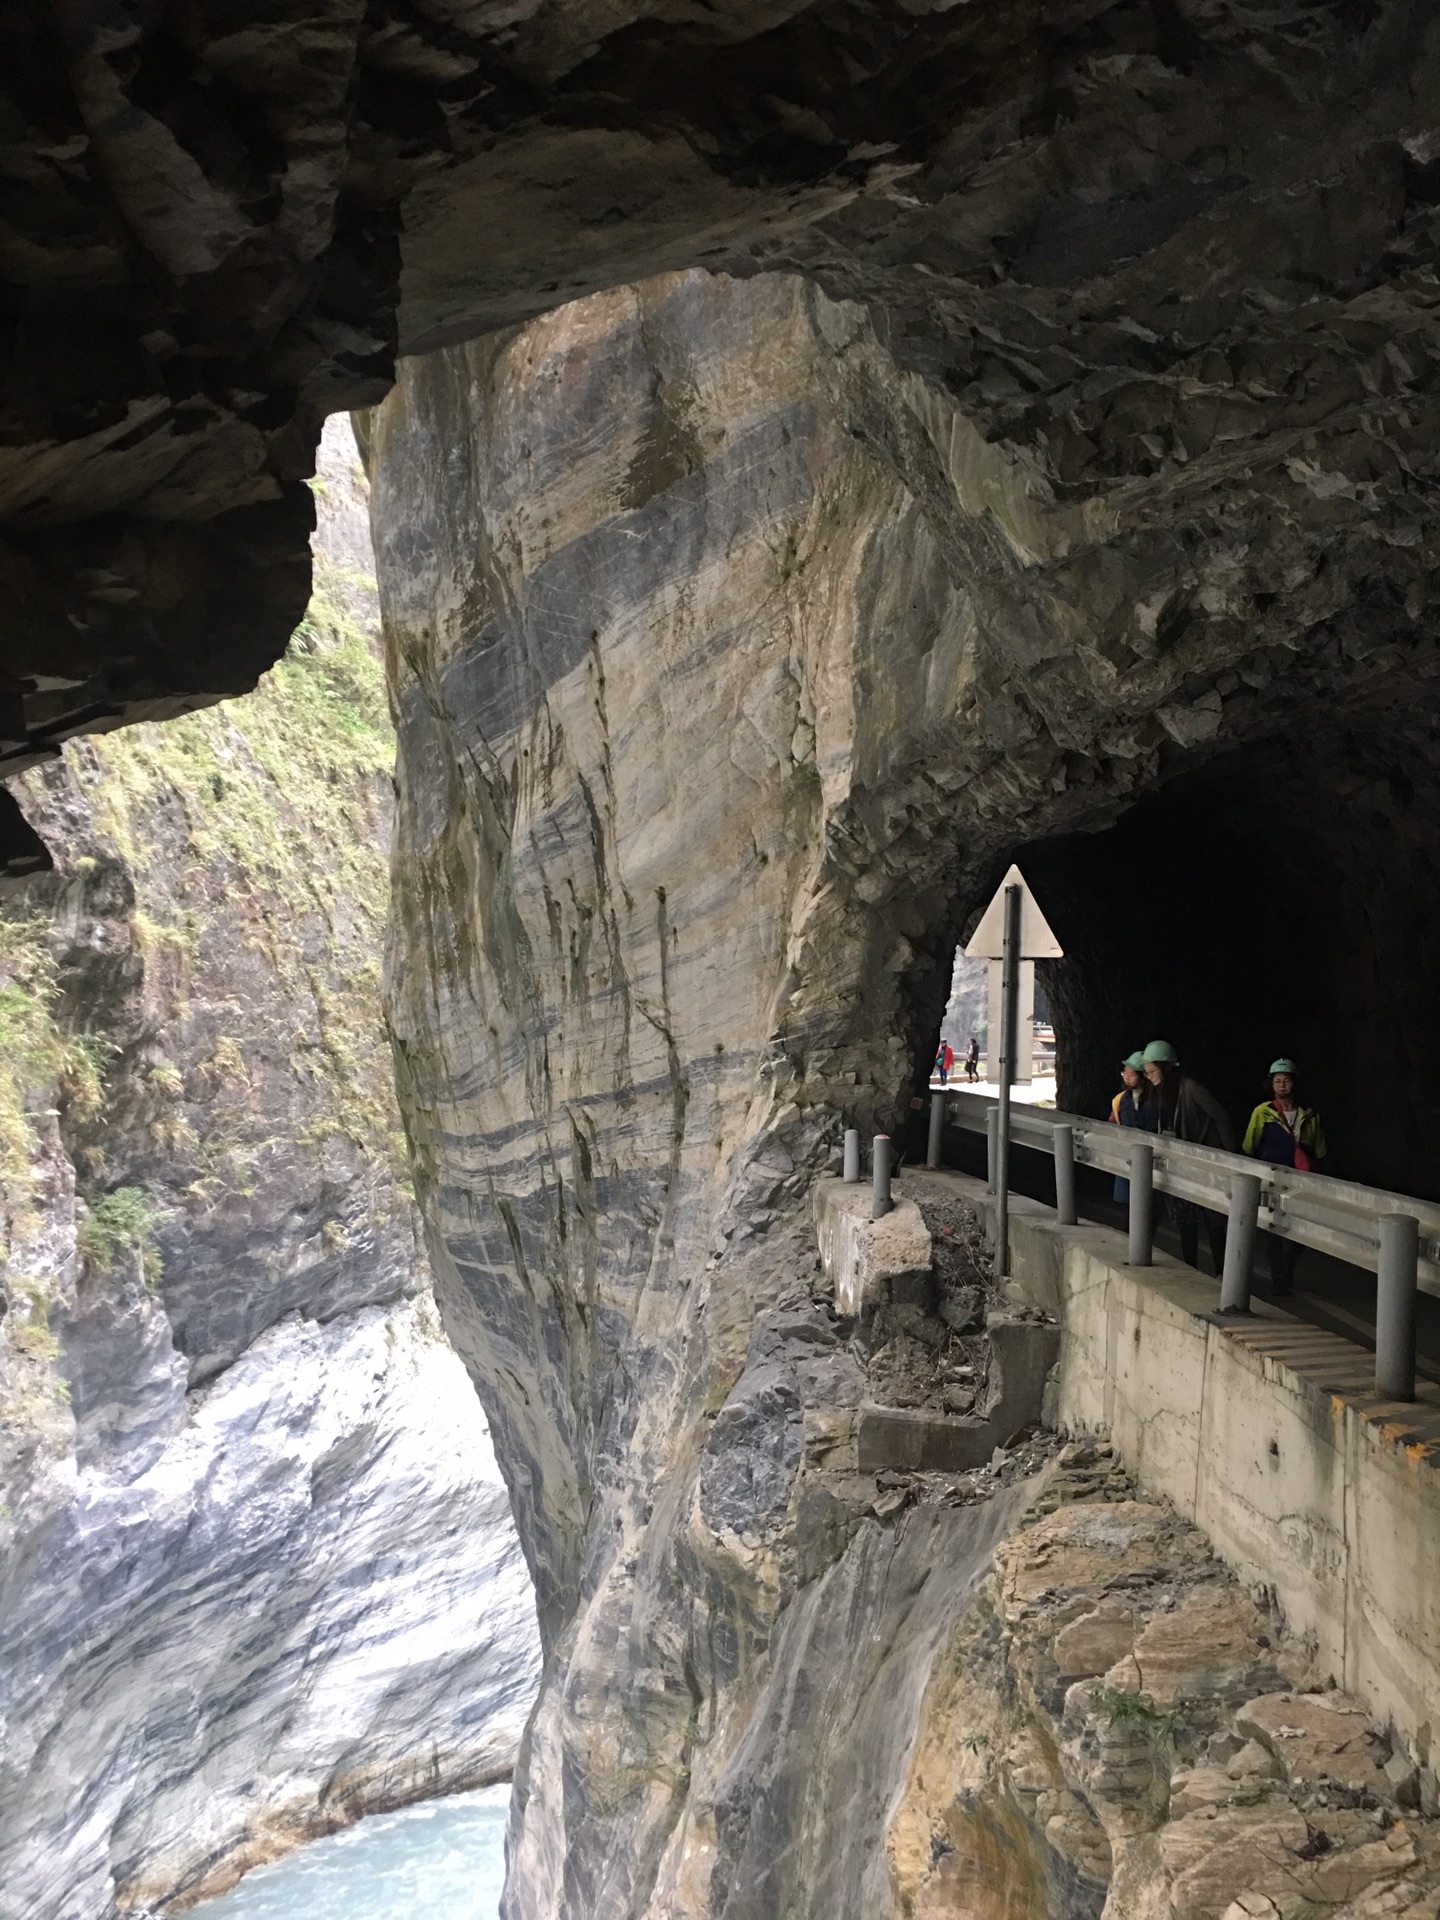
column 864, row 1259
column 1304, row 1486
column 870, row 1264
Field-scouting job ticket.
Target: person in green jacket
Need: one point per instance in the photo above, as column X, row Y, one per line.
column 1286, row 1134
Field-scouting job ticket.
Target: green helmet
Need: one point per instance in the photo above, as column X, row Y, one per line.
column 1160, row 1053
column 1135, row 1061
column 1282, row 1066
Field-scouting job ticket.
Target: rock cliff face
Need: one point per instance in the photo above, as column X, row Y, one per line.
column 1105, row 225
column 1113, row 1725
column 732, row 663
column 257, row 1572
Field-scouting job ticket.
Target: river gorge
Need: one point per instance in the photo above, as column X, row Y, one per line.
column 259, row 1569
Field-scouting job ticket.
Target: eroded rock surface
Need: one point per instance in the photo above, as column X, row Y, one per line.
column 295, row 1598
column 1088, row 1745
column 732, row 661
column 257, row 1570
column 1164, row 256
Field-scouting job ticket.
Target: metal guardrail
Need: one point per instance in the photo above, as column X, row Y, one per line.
column 1366, row 1226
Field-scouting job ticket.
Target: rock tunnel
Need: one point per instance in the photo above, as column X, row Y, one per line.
column 1274, row 901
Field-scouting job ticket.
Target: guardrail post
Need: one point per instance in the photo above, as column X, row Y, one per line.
column 880, row 1177
column 1064, row 1139
column 992, row 1148
column 1240, row 1242
column 937, row 1121
column 852, row 1154
column 1395, row 1306
column 1142, row 1202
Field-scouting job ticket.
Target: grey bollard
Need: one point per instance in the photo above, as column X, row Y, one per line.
column 852, row 1154
column 937, row 1122
column 1240, row 1243
column 1395, row 1306
column 1064, row 1139
column 880, row 1189
column 1142, row 1202
column 992, row 1148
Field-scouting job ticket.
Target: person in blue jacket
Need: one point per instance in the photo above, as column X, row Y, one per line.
column 1286, row 1134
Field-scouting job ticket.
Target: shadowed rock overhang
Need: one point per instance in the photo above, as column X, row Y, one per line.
column 1181, row 250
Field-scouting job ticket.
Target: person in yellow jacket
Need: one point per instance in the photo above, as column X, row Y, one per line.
column 1286, row 1134
column 1132, row 1089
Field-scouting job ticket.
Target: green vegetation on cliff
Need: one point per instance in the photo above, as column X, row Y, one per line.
column 282, row 799
column 278, row 785
column 36, row 1051
column 121, row 1222
column 190, row 1011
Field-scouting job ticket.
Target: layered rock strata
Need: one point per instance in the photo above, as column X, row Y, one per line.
column 1115, row 1726
column 257, row 1572
column 1115, row 231
column 732, row 662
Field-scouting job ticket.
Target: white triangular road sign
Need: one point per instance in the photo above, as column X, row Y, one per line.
column 1037, row 942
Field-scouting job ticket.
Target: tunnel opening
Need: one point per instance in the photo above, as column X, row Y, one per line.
column 1279, row 900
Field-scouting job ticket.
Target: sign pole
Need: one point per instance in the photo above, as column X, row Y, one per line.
column 1009, row 1034
column 1012, row 930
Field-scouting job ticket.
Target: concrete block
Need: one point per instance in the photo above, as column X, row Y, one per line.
column 933, row 1442
column 862, row 1258
column 1022, row 1353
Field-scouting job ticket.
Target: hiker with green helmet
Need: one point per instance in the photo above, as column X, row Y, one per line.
column 1132, row 1108
column 1189, row 1111
column 1287, row 1135
column 1132, row 1090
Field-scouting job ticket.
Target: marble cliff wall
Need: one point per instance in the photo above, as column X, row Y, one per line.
column 257, row 1572
column 730, row 662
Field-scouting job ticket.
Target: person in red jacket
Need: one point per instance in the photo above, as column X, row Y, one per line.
column 944, row 1061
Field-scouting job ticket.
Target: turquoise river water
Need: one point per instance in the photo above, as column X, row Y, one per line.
column 440, row 1860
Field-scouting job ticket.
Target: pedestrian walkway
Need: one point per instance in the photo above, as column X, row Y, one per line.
column 1330, row 1294
column 1039, row 1092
